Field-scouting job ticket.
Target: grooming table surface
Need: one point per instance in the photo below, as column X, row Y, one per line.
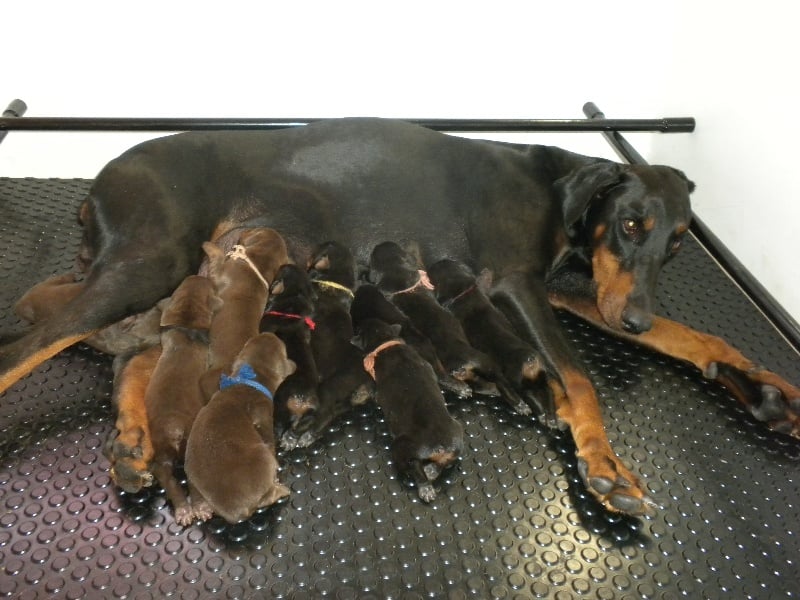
column 512, row 519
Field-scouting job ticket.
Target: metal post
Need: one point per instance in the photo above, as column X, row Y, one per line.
column 14, row 110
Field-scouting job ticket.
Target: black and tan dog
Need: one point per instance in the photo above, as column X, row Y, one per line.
column 425, row 438
column 581, row 233
column 487, row 329
column 398, row 275
column 289, row 315
column 173, row 397
column 343, row 382
column 242, row 278
column 231, row 461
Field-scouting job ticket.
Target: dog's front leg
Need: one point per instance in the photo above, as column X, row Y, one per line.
column 524, row 300
column 767, row 396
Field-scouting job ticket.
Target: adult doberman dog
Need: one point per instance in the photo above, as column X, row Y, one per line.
column 555, row 228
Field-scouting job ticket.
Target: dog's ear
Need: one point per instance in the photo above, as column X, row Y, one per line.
column 577, row 190
column 689, row 183
column 396, row 328
column 411, row 247
column 276, row 287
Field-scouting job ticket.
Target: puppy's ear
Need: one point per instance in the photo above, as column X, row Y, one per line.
column 689, row 183
column 321, row 262
column 411, row 247
column 396, row 328
column 578, row 189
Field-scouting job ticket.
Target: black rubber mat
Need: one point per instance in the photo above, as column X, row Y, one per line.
column 512, row 520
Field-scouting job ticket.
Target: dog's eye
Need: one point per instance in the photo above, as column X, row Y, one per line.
column 632, row 228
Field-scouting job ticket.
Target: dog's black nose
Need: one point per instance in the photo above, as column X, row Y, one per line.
column 635, row 320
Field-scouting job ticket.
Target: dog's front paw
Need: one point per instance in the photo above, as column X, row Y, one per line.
column 768, row 397
column 426, row 492
column 184, row 515
column 613, row 485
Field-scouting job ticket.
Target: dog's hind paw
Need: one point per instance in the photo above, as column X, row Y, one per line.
column 614, row 486
column 765, row 395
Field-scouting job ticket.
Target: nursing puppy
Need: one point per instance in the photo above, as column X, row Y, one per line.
column 173, row 396
column 398, row 275
column 289, row 315
column 231, row 462
column 488, row 330
column 426, row 439
column 343, row 381
column 369, row 302
column 242, row 278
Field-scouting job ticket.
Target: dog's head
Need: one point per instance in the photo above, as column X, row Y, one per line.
column 333, row 261
column 192, row 304
column 391, row 268
column 629, row 220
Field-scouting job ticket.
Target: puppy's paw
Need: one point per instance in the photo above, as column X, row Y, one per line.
column 613, row 485
column 426, row 492
column 184, row 515
column 768, row 397
column 201, row 511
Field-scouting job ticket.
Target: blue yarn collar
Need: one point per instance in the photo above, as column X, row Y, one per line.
column 245, row 376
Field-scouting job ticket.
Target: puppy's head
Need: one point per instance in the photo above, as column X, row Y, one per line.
column 371, row 333
column 629, row 220
column 333, row 261
column 266, row 248
column 391, row 268
column 450, row 278
column 192, row 304
column 291, row 282
column 266, row 353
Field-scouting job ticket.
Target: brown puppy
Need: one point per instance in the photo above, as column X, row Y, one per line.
column 289, row 315
column 173, row 396
column 343, row 382
column 230, row 455
column 487, row 329
column 242, row 278
column 397, row 274
column 427, row 439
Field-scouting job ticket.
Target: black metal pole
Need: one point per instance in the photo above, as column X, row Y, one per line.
column 14, row 110
column 757, row 293
column 664, row 125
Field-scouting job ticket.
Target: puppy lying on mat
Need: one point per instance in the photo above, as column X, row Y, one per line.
column 556, row 229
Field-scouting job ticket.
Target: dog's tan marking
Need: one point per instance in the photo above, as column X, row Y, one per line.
column 23, row 368
column 614, row 285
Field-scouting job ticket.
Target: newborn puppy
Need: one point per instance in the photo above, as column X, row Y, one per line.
column 426, row 438
column 231, row 462
column 370, row 303
column 173, row 397
column 242, row 278
column 343, row 382
column 398, row 276
column 488, row 329
column 289, row 315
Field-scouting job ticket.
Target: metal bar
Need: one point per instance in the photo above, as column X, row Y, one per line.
column 14, row 110
column 663, row 125
column 754, row 290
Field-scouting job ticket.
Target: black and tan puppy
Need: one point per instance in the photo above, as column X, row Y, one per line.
column 173, row 396
column 398, row 275
column 242, row 278
column 426, row 439
column 487, row 329
column 369, row 302
column 231, row 463
column 289, row 314
column 343, row 381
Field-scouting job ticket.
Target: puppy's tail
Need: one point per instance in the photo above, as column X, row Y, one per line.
column 103, row 300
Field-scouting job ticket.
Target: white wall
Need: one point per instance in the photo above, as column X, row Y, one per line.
column 731, row 69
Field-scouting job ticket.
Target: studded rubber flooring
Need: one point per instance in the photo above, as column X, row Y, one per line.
column 512, row 520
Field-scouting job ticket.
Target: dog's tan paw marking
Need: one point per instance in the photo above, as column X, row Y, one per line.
column 614, row 486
